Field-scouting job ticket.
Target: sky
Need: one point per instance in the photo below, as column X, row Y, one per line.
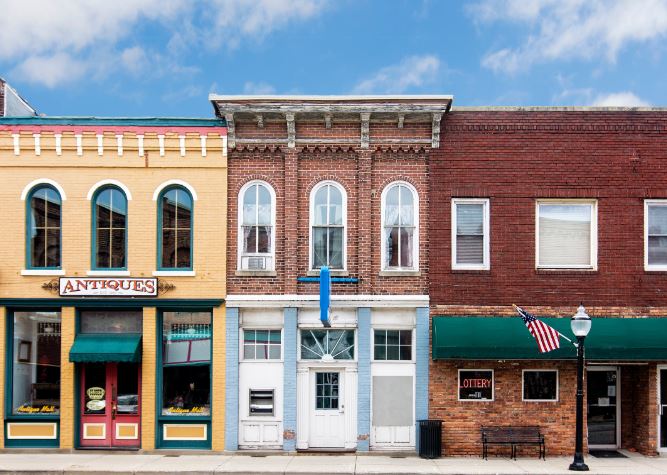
column 163, row 57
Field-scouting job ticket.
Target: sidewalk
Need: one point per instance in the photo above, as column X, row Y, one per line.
column 131, row 464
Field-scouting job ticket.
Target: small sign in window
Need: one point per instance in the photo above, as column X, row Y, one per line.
column 476, row 385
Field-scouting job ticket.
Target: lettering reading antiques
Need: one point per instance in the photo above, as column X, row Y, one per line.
column 108, row 287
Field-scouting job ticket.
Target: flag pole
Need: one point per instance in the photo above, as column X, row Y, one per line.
column 515, row 307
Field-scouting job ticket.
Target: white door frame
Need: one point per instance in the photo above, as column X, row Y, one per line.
column 618, row 405
column 660, row 367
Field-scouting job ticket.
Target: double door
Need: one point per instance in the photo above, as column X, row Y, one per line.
column 110, row 405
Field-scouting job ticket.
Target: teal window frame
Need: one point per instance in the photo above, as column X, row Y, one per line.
column 93, row 234
column 28, row 227
column 161, row 419
column 159, row 229
column 9, row 390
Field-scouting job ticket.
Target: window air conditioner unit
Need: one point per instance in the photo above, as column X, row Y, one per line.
column 256, row 263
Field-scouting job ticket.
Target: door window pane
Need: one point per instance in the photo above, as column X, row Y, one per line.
column 127, row 397
column 36, row 363
column 601, row 395
column 95, row 396
column 326, row 390
column 565, row 235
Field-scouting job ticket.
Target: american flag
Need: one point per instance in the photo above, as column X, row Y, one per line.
column 547, row 338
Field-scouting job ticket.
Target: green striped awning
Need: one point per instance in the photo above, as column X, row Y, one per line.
column 507, row 338
column 97, row 348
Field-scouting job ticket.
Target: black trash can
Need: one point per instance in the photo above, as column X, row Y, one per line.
column 430, row 438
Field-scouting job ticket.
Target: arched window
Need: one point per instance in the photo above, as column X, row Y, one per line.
column 175, row 236
column 109, row 228
column 328, row 214
column 44, row 228
column 256, row 226
column 400, row 239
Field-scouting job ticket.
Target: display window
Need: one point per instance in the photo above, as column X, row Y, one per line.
column 35, row 369
column 475, row 385
column 540, row 385
column 186, row 363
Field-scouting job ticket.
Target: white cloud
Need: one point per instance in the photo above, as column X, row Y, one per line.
column 93, row 34
column 620, row 99
column 259, row 88
column 50, row 70
column 569, row 29
column 412, row 72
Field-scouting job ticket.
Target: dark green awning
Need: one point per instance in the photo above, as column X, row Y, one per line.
column 96, row 348
column 507, row 338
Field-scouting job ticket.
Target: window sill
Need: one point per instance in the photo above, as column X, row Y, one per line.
column 565, row 271
column 333, row 273
column 256, row 273
column 43, row 272
column 174, row 273
column 109, row 273
column 400, row 273
column 471, row 271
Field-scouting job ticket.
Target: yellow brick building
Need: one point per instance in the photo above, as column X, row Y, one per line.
column 112, row 282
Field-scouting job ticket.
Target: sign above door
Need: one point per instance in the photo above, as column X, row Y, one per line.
column 108, row 287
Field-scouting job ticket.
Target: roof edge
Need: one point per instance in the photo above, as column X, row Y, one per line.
column 555, row 109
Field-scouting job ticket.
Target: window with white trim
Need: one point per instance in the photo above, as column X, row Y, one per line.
column 540, row 385
column 567, row 234
column 392, row 345
column 400, row 240
column 328, row 214
column 256, row 226
column 470, row 234
column 655, row 234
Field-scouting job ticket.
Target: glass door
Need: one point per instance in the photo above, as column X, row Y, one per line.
column 603, row 417
column 110, row 405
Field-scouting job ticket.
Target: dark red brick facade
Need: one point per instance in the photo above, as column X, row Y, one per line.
column 513, row 158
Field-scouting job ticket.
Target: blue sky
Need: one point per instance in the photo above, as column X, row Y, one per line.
column 163, row 57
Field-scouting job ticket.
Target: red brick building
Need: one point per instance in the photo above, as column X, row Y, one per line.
column 340, row 182
column 546, row 208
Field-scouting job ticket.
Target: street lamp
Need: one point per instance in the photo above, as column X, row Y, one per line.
column 581, row 325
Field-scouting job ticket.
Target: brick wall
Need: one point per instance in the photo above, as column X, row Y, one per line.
column 515, row 157
column 294, row 172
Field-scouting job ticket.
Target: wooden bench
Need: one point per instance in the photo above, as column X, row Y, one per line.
column 512, row 436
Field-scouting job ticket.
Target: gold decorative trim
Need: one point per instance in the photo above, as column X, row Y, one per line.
column 164, row 287
column 52, row 286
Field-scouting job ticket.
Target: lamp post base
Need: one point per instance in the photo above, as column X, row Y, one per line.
column 579, row 466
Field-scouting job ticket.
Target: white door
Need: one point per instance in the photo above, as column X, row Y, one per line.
column 327, row 409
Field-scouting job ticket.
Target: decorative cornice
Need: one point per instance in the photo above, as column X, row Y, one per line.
column 530, row 126
column 327, row 121
column 260, row 121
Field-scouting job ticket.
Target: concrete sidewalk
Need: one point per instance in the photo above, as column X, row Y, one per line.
column 159, row 464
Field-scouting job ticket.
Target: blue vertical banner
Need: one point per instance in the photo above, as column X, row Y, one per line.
column 325, row 295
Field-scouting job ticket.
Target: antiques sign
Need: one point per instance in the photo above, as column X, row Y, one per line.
column 108, row 287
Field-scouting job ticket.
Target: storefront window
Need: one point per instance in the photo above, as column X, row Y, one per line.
column 36, row 363
column 540, row 385
column 186, row 363
column 475, row 385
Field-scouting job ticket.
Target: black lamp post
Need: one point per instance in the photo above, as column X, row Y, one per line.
column 581, row 325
